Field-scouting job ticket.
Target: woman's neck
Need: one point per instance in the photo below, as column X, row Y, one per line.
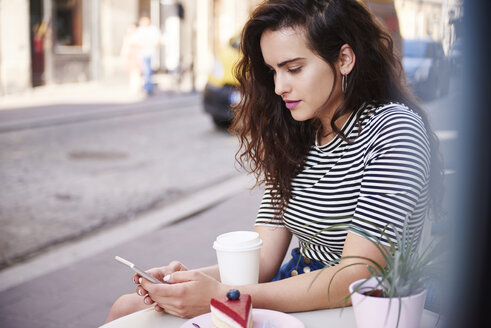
column 326, row 134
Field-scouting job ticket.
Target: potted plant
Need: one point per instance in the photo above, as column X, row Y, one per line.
column 393, row 295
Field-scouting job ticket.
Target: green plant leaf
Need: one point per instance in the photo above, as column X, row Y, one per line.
column 406, row 270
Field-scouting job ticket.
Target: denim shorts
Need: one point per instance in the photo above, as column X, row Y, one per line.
column 295, row 267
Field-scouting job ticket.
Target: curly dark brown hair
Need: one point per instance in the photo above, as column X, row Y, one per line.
column 273, row 145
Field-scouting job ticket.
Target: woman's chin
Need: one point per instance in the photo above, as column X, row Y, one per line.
column 300, row 117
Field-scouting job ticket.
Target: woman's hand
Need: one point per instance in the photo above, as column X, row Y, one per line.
column 186, row 293
column 161, row 272
column 158, row 273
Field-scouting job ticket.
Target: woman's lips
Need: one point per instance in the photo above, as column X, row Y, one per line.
column 291, row 104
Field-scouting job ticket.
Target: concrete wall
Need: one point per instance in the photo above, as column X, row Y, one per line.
column 232, row 15
column 204, row 43
column 115, row 16
column 15, row 49
column 427, row 19
column 420, row 19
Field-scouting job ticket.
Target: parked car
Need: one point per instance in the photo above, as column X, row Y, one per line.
column 427, row 68
column 221, row 88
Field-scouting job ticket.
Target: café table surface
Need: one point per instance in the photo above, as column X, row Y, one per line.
column 331, row 318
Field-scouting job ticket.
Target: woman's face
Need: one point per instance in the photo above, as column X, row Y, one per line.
column 302, row 78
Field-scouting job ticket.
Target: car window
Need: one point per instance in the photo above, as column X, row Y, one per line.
column 439, row 50
column 430, row 51
column 414, row 48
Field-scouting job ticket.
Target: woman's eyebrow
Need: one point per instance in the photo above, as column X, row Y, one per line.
column 283, row 63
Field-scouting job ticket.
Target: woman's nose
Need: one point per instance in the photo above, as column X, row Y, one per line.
column 280, row 85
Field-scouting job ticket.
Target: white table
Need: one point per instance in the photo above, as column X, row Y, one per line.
column 332, row 318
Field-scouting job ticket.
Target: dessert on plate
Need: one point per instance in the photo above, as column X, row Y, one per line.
column 232, row 311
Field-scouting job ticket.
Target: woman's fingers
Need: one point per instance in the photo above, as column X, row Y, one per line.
column 148, row 300
column 182, row 276
column 176, row 266
column 159, row 273
column 141, row 291
column 161, row 295
column 187, row 293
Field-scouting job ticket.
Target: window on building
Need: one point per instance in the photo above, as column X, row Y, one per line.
column 68, row 22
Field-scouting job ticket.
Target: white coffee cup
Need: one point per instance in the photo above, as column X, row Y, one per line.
column 238, row 255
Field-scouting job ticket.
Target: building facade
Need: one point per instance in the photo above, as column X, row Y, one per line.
column 15, row 62
column 432, row 19
column 45, row 42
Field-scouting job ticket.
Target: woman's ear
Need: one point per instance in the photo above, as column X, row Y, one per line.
column 346, row 60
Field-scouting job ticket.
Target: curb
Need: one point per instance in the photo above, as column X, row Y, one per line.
column 86, row 92
column 90, row 246
column 97, row 113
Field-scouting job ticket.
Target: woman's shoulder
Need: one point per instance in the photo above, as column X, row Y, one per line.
column 392, row 113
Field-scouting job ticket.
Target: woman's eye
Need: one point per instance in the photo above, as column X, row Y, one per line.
column 295, row 69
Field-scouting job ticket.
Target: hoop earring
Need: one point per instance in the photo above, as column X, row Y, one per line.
column 344, row 83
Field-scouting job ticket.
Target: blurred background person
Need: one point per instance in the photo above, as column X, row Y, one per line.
column 148, row 40
column 130, row 58
column 37, row 53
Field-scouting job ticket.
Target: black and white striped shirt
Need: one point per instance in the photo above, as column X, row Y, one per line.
column 382, row 177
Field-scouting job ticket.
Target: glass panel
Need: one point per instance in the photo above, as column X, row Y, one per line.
column 413, row 48
column 68, row 22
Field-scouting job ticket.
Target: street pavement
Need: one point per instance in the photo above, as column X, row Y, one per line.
column 74, row 284
column 80, row 294
column 71, row 169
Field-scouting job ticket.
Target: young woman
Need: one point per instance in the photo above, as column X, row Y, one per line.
column 326, row 123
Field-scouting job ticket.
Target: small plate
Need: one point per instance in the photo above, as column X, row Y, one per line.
column 260, row 316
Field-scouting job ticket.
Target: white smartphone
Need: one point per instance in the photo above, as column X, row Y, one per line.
column 138, row 270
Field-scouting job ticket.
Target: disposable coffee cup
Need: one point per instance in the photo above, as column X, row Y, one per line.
column 238, row 255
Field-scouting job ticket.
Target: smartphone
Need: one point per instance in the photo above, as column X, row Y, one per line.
column 138, row 270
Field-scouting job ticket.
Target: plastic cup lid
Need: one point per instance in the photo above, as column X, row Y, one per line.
column 237, row 241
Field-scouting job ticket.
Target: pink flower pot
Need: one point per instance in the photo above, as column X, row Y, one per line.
column 381, row 312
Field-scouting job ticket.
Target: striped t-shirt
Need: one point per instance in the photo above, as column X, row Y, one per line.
column 381, row 177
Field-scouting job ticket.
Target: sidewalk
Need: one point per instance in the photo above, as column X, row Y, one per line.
column 80, row 291
column 101, row 92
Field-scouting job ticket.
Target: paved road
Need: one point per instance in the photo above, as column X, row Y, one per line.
column 67, row 170
column 80, row 295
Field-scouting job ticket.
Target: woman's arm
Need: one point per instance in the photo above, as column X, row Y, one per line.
column 189, row 292
column 276, row 241
column 310, row 291
column 211, row 270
